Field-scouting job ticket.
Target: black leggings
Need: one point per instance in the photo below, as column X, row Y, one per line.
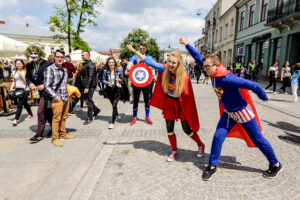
column 136, row 96
column 114, row 102
column 272, row 81
column 185, row 126
column 285, row 83
column 23, row 101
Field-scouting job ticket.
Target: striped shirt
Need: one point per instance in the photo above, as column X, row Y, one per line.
column 52, row 75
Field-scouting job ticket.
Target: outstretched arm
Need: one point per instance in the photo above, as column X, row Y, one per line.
column 194, row 53
column 147, row 59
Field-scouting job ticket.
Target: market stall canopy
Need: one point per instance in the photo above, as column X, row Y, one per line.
column 10, row 47
column 96, row 57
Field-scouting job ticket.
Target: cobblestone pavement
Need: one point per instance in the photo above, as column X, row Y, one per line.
column 137, row 167
column 129, row 162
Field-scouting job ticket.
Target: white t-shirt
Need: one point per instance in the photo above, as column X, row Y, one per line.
column 18, row 80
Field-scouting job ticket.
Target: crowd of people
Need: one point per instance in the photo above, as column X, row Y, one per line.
column 57, row 85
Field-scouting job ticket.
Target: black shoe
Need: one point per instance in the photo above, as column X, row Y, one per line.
column 96, row 112
column 36, row 138
column 88, row 120
column 273, row 171
column 49, row 134
column 207, row 174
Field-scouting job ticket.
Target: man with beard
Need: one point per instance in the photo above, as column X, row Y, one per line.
column 35, row 79
column 88, row 77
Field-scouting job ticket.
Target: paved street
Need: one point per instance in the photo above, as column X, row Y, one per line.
column 130, row 162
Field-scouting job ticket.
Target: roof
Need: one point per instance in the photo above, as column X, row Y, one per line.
column 6, row 29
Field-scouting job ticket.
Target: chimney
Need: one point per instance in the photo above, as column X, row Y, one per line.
column 27, row 25
column 2, row 22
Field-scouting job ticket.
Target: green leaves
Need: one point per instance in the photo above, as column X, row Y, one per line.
column 71, row 19
column 134, row 38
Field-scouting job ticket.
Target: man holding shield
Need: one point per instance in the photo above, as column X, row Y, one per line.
column 137, row 90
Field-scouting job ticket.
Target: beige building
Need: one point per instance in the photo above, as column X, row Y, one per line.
column 227, row 35
column 34, row 36
column 200, row 45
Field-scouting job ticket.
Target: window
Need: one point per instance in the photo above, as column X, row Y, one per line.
column 216, row 36
column 278, row 48
column 242, row 20
column 251, row 15
column 220, row 39
column 264, row 10
column 226, row 31
column 52, row 50
column 231, row 26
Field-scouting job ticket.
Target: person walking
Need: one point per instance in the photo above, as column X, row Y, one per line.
column 35, row 69
column 273, row 73
column 19, row 85
column 71, row 70
column 56, row 80
column 285, row 77
column 88, row 78
column 112, row 78
column 295, row 82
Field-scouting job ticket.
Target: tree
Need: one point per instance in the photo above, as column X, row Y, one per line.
column 72, row 18
column 135, row 38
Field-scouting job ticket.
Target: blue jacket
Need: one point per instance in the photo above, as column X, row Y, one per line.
column 106, row 75
column 296, row 76
column 227, row 86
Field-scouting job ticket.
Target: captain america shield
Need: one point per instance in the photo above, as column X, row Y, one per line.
column 140, row 75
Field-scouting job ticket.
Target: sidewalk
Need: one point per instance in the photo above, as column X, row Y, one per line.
column 129, row 162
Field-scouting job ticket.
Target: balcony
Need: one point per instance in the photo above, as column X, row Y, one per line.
column 204, row 31
column 284, row 15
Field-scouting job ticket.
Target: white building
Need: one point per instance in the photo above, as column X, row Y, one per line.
column 34, row 36
column 165, row 53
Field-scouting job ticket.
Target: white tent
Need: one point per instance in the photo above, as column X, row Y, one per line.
column 10, row 47
column 18, row 57
column 96, row 57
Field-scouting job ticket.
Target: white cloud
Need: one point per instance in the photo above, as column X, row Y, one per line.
column 166, row 22
column 4, row 4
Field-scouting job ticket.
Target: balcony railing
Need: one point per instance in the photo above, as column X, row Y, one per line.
column 287, row 8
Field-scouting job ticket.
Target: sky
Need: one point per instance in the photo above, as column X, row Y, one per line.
column 164, row 20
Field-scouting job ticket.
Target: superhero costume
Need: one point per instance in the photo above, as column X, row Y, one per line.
column 237, row 111
column 174, row 107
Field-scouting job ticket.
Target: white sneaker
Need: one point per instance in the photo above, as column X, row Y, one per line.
column 274, row 92
column 111, row 126
column 15, row 122
column 78, row 108
column 172, row 156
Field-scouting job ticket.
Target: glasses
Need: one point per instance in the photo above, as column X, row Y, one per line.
column 61, row 57
column 206, row 67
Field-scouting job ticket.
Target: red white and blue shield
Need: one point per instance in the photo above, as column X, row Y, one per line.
column 140, row 75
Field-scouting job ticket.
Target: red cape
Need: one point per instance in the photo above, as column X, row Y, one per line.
column 187, row 101
column 238, row 131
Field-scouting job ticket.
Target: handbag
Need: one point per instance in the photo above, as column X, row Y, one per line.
column 19, row 92
column 48, row 98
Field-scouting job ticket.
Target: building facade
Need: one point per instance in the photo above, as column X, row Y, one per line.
column 200, row 44
column 34, row 36
column 165, row 53
column 268, row 31
column 227, row 34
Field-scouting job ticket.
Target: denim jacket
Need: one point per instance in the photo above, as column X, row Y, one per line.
column 106, row 75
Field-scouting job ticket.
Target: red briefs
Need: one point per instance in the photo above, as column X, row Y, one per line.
column 172, row 109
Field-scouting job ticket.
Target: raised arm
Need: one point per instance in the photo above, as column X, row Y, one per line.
column 147, row 59
column 194, row 53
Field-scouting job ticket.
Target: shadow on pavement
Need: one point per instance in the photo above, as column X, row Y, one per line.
column 290, row 138
column 227, row 162
column 284, row 126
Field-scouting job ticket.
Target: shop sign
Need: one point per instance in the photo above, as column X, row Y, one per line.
column 261, row 38
column 240, row 51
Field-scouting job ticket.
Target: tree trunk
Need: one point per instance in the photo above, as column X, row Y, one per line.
column 80, row 17
column 69, row 26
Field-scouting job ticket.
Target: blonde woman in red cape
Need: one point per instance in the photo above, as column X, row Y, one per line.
column 173, row 94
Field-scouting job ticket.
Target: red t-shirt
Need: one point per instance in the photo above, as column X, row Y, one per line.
column 70, row 68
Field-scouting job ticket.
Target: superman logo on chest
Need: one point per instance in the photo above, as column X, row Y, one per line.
column 219, row 92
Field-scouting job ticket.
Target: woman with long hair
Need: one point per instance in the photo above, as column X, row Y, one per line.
column 273, row 73
column 295, row 81
column 112, row 78
column 19, row 84
column 285, row 77
column 174, row 95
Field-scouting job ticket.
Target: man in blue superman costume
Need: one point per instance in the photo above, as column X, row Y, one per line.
column 238, row 116
column 174, row 95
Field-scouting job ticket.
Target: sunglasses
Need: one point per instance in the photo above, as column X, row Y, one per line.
column 208, row 66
